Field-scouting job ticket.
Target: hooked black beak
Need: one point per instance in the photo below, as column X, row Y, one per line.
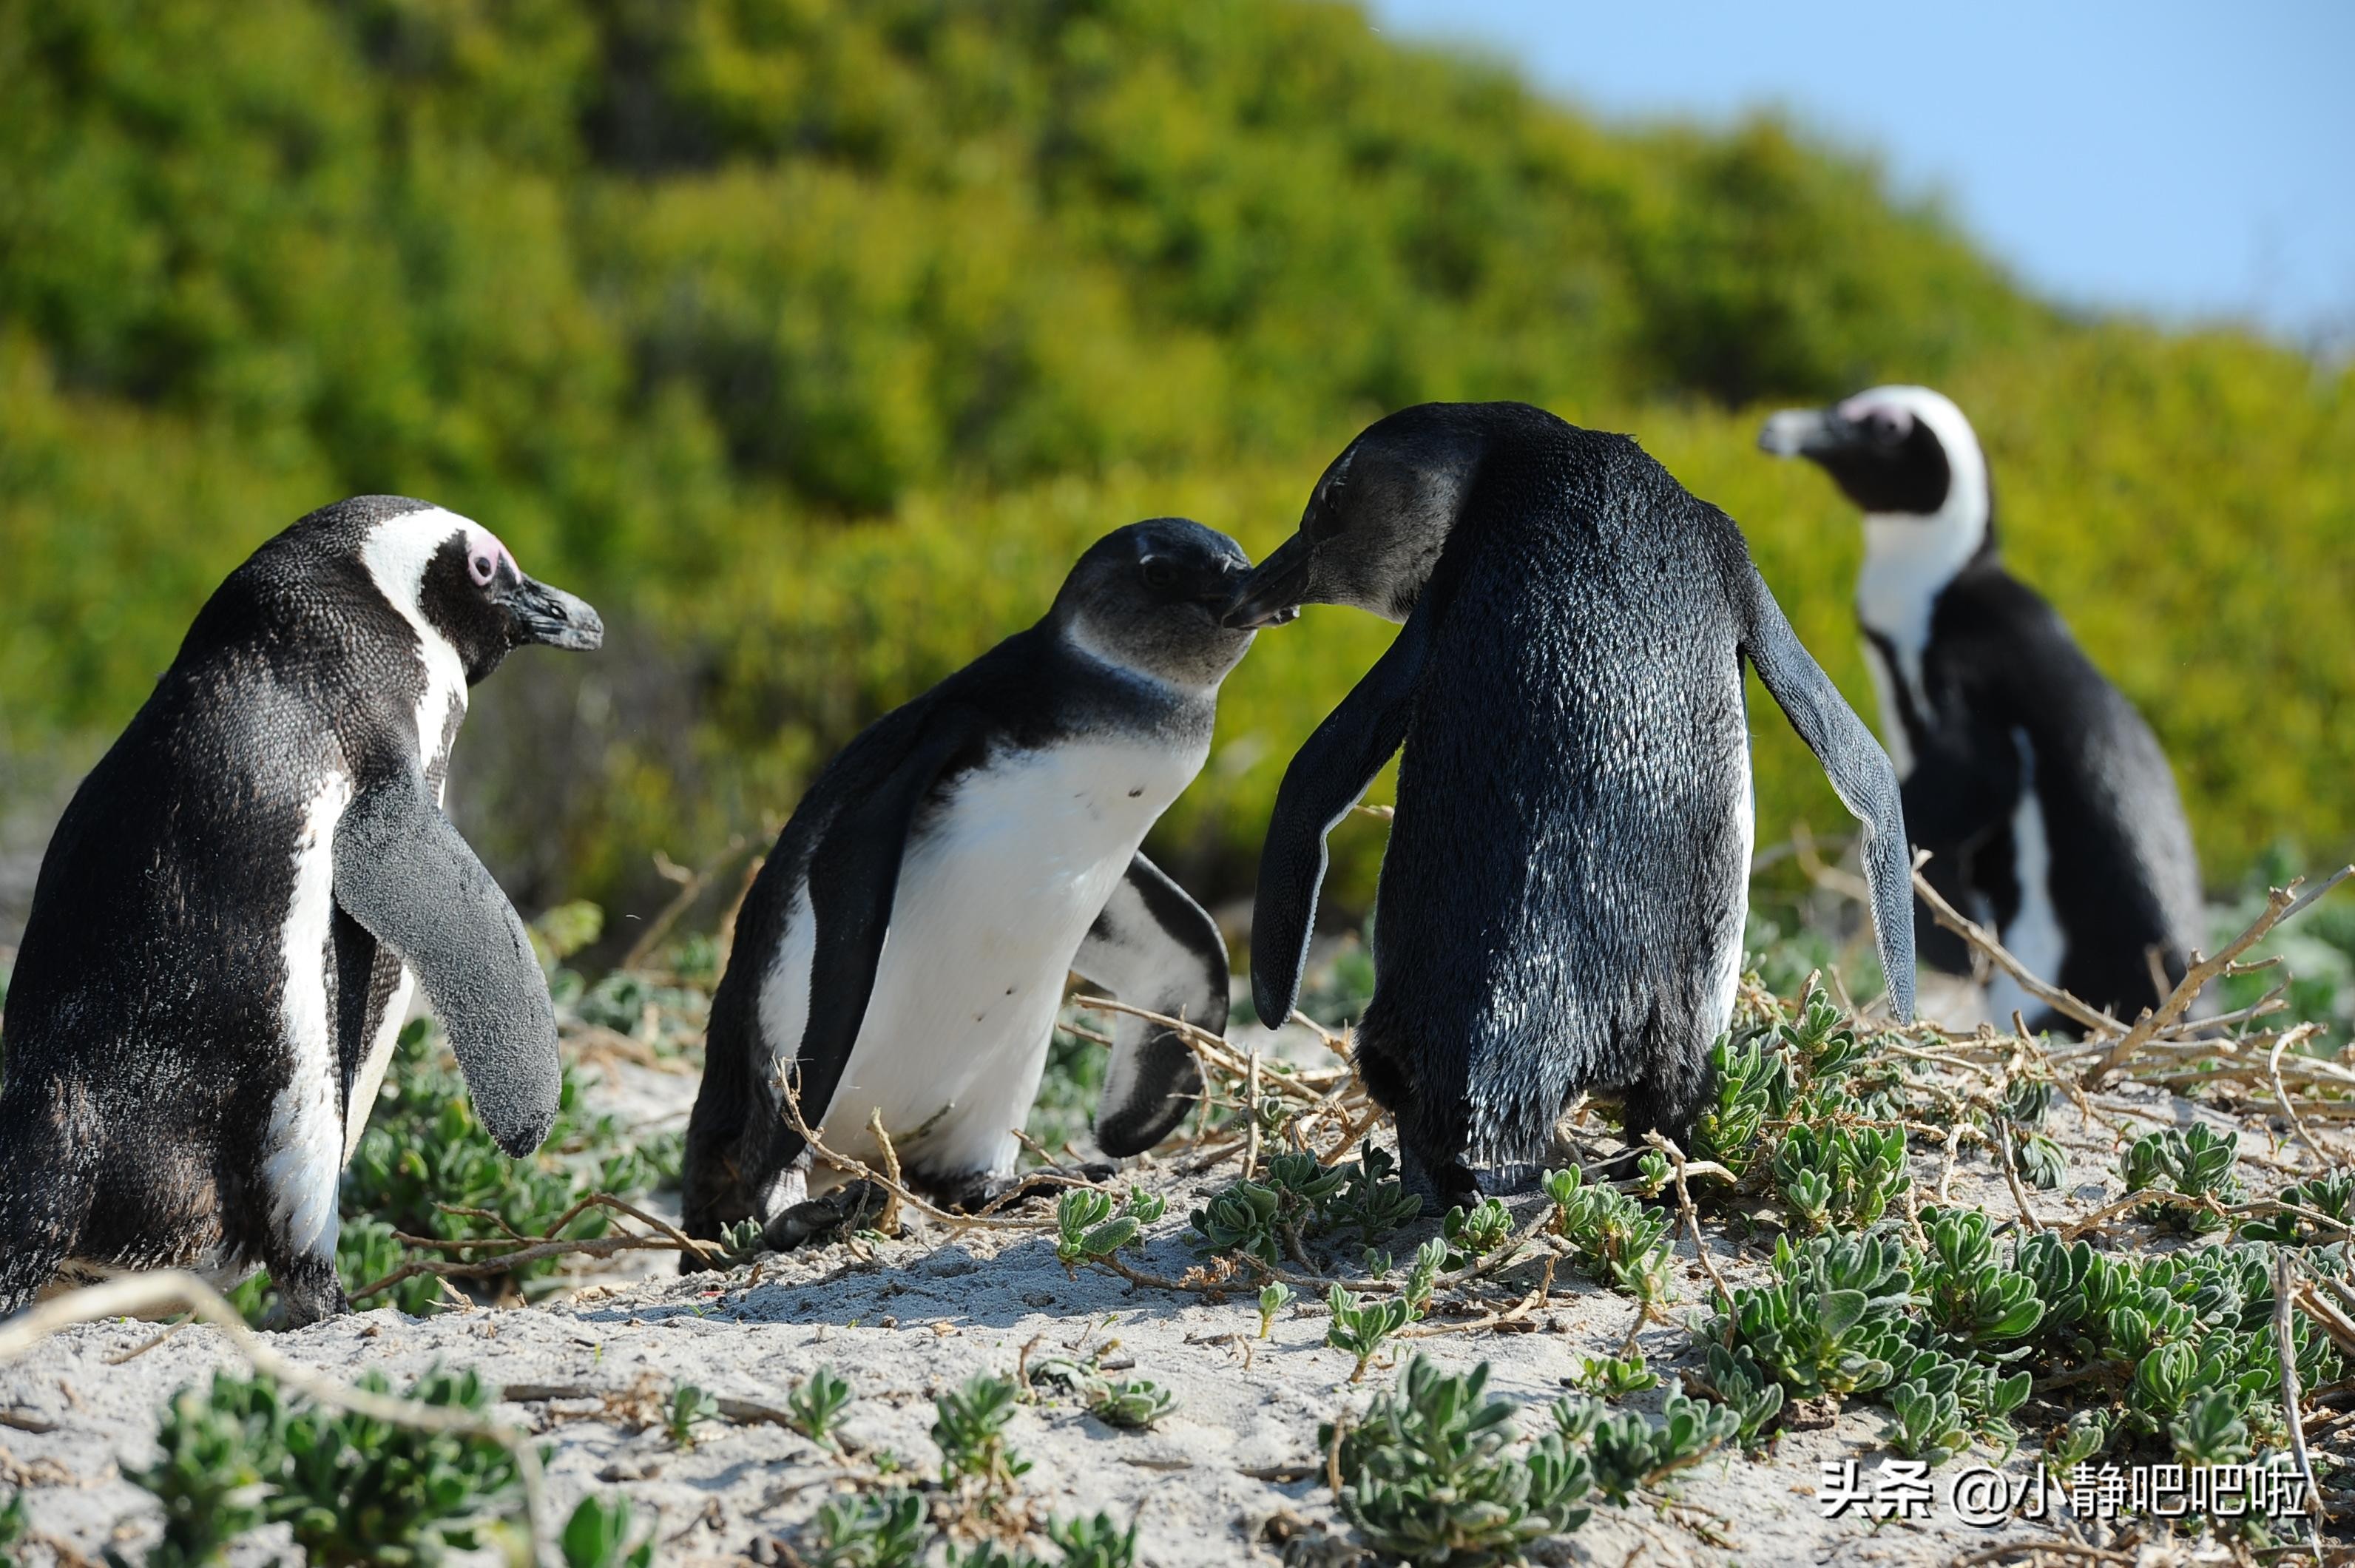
column 1803, row 432
column 1271, row 595
column 551, row 615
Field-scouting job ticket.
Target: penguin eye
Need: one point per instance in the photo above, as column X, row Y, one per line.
column 1887, row 424
column 1159, row 573
column 482, row 568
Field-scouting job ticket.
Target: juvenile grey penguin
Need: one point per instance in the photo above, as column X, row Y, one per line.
column 1561, row 903
column 903, row 950
column 229, row 914
column 2047, row 804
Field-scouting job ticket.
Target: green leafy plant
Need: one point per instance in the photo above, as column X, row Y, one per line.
column 1474, row 1233
column 867, row 1529
column 2331, row 1195
column 352, row 1488
column 814, row 1401
column 2211, row 1431
column 360, row 1490
column 1134, row 1403
column 2195, row 1163
column 1747, row 1087
column 1362, row 1328
column 1619, row 1240
column 1274, row 1297
column 1300, row 1199
column 2039, row 1161
column 989, row 1554
column 1830, row 1321
column 14, row 1525
column 1372, row 1201
column 1094, row 1542
column 221, row 1449
column 690, row 1408
column 1608, row 1377
column 1431, row 1474
column 1087, row 1231
column 2086, row 1434
column 1926, row 1424
column 1841, row 1175
column 1970, row 1295
column 598, row 1536
column 1627, row 1454
column 1734, row 1379
column 969, row 1426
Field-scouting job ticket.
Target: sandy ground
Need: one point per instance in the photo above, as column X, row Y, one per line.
column 918, row 1315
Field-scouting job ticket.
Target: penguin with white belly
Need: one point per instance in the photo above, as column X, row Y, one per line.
column 229, row 914
column 1561, row 902
column 2047, row 804
column 903, row 950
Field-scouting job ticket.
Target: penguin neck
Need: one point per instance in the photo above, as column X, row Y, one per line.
column 1911, row 559
column 396, row 553
column 1078, row 638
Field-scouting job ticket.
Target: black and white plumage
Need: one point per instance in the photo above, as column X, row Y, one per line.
column 2047, row 803
column 904, row 949
column 1561, row 902
column 229, row 914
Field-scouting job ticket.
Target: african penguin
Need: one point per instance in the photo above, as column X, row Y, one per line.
column 2046, row 803
column 226, row 923
column 1561, row 902
column 903, row 950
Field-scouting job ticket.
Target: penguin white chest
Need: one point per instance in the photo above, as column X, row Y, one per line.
column 997, row 890
column 305, row 1141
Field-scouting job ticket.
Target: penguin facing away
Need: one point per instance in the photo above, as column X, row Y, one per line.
column 2044, row 798
column 904, row 948
column 1561, row 902
column 228, row 917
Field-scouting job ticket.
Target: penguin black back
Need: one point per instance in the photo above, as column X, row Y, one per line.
column 1561, row 902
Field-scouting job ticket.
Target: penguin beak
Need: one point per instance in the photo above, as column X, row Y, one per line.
column 551, row 615
column 1271, row 595
column 1802, row 433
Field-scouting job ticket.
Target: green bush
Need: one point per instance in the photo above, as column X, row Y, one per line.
column 352, row 1489
column 812, row 340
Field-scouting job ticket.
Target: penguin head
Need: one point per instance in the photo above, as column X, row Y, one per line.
column 1896, row 452
column 1377, row 521
column 1151, row 597
column 450, row 577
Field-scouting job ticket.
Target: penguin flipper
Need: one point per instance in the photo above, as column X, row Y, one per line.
column 1858, row 769
column 403, row 872
column 853, row 876
column 1325, row 780
column 1153, row 947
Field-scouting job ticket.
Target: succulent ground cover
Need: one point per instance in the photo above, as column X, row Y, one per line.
column 1889, row 1253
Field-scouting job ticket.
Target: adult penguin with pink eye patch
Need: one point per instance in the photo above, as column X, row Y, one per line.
column 2044, row 799
column 229, row 916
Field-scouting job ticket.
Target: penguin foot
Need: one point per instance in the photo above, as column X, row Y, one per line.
column 846, row 1207
column 1442, row 1185
column 308, row 1291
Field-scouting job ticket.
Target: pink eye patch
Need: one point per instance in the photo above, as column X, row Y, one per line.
column 483, row 554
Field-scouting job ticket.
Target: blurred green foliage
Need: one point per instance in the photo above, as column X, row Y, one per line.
column 813, row 339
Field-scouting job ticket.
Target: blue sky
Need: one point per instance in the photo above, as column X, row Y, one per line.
column 2189, row 162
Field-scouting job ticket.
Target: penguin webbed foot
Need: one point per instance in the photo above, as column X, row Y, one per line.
column 308, row 1292
column 847, row 1208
